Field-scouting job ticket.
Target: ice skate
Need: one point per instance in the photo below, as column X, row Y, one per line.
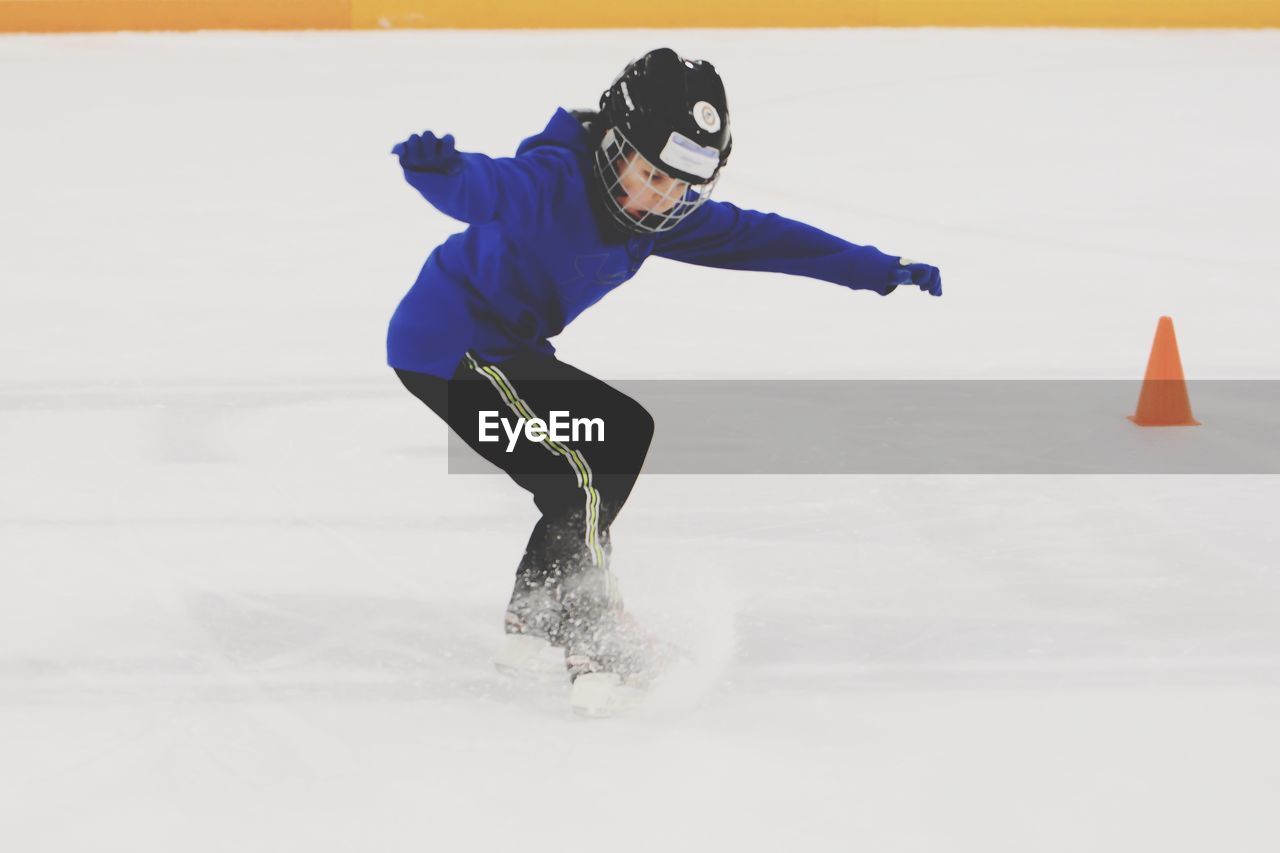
column 611, row 662
column 533, row 625
column 610, row 657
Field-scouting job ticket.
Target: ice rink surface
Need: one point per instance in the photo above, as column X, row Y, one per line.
column 246, row 609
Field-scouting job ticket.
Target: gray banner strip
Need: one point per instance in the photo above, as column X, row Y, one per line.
column 944, row 427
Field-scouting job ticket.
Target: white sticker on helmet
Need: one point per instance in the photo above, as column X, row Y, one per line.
column 707, row 117
column 684, row 154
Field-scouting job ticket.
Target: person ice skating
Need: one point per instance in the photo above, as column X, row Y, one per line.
column 551, row 231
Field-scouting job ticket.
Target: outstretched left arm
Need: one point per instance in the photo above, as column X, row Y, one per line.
column 719, row 234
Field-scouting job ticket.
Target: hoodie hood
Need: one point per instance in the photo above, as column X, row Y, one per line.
column 578, row 133
column 563, row 131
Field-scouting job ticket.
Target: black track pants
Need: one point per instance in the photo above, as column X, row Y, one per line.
column 579, row 486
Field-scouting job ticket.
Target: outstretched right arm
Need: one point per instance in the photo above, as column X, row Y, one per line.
column 473, row 188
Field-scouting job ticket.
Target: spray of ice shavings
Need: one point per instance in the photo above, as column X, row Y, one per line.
column 693, row 608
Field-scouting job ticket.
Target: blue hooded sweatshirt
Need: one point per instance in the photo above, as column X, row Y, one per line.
column 536, row 254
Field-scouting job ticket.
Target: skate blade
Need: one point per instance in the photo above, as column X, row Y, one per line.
column 519, row 654
column 601, row 694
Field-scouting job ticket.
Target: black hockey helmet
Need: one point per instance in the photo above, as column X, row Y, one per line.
column 672, row 112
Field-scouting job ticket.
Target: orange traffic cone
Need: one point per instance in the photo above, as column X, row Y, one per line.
column 1164, row 400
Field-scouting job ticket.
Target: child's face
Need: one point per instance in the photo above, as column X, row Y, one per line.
column 646, row 189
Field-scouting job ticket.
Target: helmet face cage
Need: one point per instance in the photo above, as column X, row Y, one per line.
column 617, row 160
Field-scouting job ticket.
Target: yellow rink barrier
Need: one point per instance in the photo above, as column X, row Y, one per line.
column 52, row 16
column 91, row 15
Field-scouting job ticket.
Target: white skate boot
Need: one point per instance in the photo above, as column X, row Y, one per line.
column 610, row 657
column 533, row 625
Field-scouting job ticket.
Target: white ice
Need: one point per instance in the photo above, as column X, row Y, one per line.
column 244, row 607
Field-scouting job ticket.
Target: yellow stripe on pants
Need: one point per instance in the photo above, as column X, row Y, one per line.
column 581, row 469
